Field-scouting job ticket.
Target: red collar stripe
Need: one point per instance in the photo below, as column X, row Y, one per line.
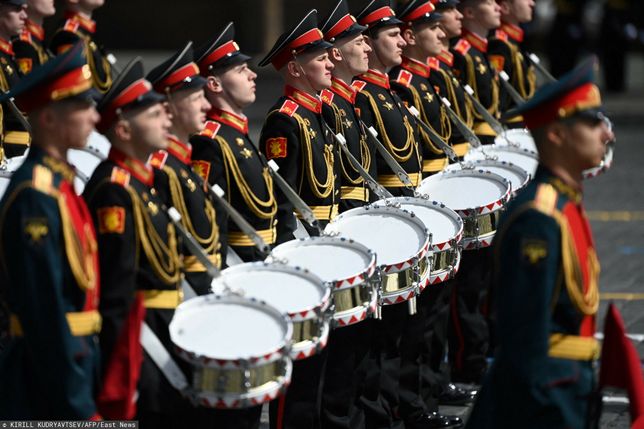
column 344, row 90
column 36, row 30
column 6, row 47
column 420, row 11
column 377, row 78
column 303, row 99
column 377, row 15
column 415, row 67
column 342, row 25
column 476, row 41
column 285, row 55
column 219, row 53
column 86, row 23
column 515, row 32
column 178, row 76
column 237, row 122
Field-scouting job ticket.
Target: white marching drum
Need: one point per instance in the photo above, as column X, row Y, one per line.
column 292, row 290
column 7, row 168
column 446, row 229
column 348, row 268
column 86, row 160
column 524, row 158
column 516, row 175
column 519, row 137
column 239, row 349
column 478, row 196
column 401, row 242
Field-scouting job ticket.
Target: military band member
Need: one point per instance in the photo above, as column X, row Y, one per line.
column 379, row 107
column 177, row 185
column 80, row 26
column 505, row 53
column 547, row 271
column 15, row 138
column 410, row 79
column 442, row 77
column 30, row 47
column 49, row 275
column 223, row 153
column 471, row 66
column 294, row 134
column 295, row 137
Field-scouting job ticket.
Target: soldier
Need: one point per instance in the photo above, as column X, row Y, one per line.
column 505, row 53
column 30, row 47
column 410, row 80
column 176, row 183
column 471, row 66
column 49, row 262
column 80, row 26
column 294, row 134
column 547, row 270
column 223, row 153
column 15, row 137
column 295, row 137
column 379, row 106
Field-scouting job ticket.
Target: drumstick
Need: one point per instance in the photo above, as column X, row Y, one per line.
column 496, row 125
column 536, row 62
column 505, row 81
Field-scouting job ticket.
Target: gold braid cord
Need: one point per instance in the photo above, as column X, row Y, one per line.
column 423, row 117
column 261, row 209
column 400, row 154
column 320, row 190
column 365, row 154
column 208, row 243
column 494, row 105
column 519, row 81
column 164, row 259
column 90, row 48
column 466, row 116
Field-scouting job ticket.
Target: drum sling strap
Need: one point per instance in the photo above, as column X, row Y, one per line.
column 162, row 359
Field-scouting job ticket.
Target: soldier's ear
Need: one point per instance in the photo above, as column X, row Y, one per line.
column 408, row 35
column 214, row 84
column 335, row 54
column 505, row 6
column 556, row 134
column 123, row 130
column 294, row 69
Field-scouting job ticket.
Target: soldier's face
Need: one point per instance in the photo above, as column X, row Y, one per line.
column 316, row 68
column 238, row 85
column 74, row 121
column 90, row 5
column 388, row 46
column 517, row 11
column 585, row 141
column 149, row 127
column 355, row 54
column 428, row 38
column 188, row 109
column 41, row 7
column 12, row 19
column 485, row 13
column 452, row 22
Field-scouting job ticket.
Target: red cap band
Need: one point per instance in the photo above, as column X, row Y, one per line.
column 342, row 25
column 127, row 96
column 285, row 55
column 419, row 12
column 377, row 15
column 219, row 53
column 189, row 70
column 71, row 83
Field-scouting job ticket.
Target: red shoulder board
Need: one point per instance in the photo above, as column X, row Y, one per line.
column 462, row 46
column 358, row 85
column 327, row 96
column 71, row 25
column 501, row 35
column 210, row 129
column 158, row 159
column 25, row 36
column 120, row 176
column 289, row 107
column 404, row 78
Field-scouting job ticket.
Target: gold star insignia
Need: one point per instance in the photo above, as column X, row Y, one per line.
column 347, row 123
column 239, row 141
column 382, row 97
column 423, row 87
column 153, row 208
column 482, row 68
column 312, row 133
column 246, row 153
column 429, row 97
column 388, row 106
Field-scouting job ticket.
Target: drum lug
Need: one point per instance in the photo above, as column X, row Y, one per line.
column 412, row 306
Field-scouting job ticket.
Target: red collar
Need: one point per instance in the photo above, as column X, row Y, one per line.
column 88, row 25
column 434, row 63
column 475, row 40
column 35, row 30
column 180, row 150
column 377, row 78
column 303, row 99
column 240, row 123
column 6, row 47
column 447, row 58
column 514, row 31
column 343, row 90
column 142, row 171
column 416, row 67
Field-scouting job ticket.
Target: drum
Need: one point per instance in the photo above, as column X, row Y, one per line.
column 478, row 196
column 292, row 290
column 606, row 163
column 7, row 168
column 346, row 266
column 446, row 229
column 524, row 158
column 519, row 137
column 516, row 175
column 401, row 242
column 239, row 348
column 86, row 160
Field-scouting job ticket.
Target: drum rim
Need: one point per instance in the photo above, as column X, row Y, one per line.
column 503, row 148
column 237, row 363
column 336, row 284
column 400, row 213
column 298, row 315
column 526, row 177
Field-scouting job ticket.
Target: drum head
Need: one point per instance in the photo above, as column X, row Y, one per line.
column 528, row 160
column 228, row 328
column 331, row 258
column 517, row 137
column 394, row 234
column 7, row 170
column 87, row 159
column 465, row 189
column 290, row 290
column 516, row 175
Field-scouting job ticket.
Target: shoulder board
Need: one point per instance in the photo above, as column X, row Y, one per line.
column 404, row 78
column 158, row 159
column 358, row 85
column 25, row 36
column 289, row 107
column 42, row 179
column 497, row 62
column 25, row 65
column 327, row 96
column 210, row 129
column 120, row 176
column 545, row 199
column 202, row 168
column 71, row 25
column 501, row 35
column 462, row 46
